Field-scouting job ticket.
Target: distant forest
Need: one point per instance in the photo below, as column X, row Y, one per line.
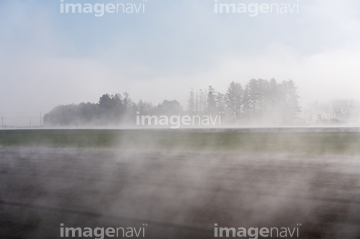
column 257, row 102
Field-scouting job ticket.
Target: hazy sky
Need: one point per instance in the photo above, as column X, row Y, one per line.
column 48, row 58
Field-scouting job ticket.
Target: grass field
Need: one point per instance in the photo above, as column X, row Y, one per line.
column 251, row 141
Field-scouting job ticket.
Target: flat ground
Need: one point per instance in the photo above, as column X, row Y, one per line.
column 179, row 184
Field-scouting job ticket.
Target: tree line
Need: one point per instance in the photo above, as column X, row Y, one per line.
column 257, row 101
column 333, row 112
column 113, row 109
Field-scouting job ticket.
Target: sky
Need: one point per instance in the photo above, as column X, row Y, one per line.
column 49, row 58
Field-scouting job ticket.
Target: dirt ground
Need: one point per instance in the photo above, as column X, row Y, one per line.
column 176, row 195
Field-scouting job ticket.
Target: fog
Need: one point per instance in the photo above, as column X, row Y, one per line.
column 180, row 121
column 48, row 58
column 178, row 191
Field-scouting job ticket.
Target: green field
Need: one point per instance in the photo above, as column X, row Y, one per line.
column 190, row 140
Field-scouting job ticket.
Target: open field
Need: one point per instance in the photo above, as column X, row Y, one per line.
column 180, row 183
column 300, row 141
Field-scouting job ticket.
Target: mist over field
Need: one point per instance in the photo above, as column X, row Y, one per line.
column 179, row 119
column 182, row 183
